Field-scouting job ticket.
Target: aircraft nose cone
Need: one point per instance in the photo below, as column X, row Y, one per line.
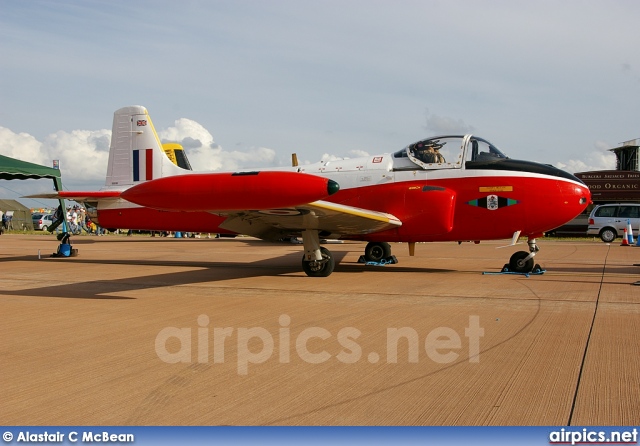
column 332, row 187
column 585, row 197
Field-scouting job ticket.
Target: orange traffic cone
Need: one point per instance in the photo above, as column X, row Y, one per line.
column 625, row 240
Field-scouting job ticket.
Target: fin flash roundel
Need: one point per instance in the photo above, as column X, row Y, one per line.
column 493, row 202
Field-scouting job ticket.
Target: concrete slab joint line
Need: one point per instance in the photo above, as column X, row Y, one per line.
column 586, row 347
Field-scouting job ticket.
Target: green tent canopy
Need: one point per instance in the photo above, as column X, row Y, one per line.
column 13, row 169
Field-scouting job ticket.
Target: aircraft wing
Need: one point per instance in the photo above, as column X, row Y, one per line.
column 78, row 196
column 331, row 219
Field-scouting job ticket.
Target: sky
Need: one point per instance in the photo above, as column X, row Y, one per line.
column 244, row 83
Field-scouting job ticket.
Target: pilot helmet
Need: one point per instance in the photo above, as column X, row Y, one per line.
column 435, row 144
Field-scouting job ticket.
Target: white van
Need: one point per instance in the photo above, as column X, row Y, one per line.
column 609, row 220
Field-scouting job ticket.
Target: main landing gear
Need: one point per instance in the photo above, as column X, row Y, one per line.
column 317, row 261
column 522, row 261
column 379, row 253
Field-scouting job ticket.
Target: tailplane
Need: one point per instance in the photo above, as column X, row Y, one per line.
column 136, row 154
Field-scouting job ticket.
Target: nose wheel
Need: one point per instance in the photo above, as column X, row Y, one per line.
column 522, row 261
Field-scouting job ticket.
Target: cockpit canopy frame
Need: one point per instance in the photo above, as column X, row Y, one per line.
column 448, row 152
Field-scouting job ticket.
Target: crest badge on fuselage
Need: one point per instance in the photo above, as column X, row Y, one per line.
column 493, row 202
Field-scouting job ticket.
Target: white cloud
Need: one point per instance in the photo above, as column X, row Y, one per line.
column 206, row 155
column 330, row 157
column 83, row 154
column 21, row 146
column 190, row 134
column 358, row 153
column 597, row 159
column 443, row 125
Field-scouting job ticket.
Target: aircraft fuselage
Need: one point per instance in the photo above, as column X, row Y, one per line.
column 479, row 195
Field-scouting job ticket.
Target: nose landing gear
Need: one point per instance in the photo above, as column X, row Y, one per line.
column 522, row 261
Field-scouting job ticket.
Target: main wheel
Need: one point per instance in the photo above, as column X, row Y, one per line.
column 377, row 251
column 608, row 235
column 518, row 263
column 321, row 268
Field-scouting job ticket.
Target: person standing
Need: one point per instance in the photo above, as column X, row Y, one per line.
column 82, row 221
column 74, row 222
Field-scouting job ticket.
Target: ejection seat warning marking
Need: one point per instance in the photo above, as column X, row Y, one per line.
column 495, row 189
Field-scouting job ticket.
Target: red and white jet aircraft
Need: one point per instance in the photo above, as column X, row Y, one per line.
column 446, row 188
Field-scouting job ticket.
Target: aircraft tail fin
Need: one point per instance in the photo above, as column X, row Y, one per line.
column 136, row 153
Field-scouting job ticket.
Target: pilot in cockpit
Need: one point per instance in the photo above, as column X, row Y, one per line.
column 428, row 155
column 428, row 152
column 438, row 155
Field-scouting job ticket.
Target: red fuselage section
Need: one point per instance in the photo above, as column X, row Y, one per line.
column 459, row 208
